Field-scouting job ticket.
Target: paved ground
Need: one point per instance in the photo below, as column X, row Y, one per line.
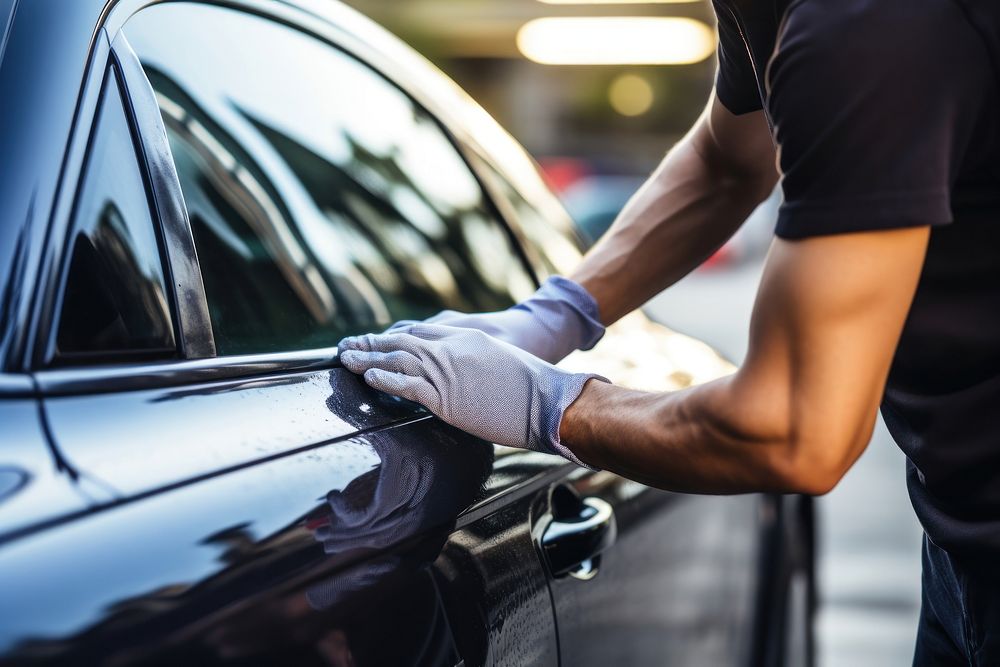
column 870, row 540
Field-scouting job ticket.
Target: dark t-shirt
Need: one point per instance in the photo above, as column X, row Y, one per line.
column 886, row 115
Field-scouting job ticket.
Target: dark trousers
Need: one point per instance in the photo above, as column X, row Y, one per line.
column 959, row 614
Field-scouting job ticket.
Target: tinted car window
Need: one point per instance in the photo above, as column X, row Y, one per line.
column 114, row 302
column 324, row 202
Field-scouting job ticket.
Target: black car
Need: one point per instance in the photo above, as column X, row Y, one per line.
column 196, row 200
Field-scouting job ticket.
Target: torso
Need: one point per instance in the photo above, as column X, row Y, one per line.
column 942, row 401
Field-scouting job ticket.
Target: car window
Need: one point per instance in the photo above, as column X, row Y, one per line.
column 324, row 202
column 545, row 223
column 114, row 301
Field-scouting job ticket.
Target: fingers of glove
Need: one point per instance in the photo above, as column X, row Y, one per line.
column 401, row 326
column 387, row 342
column 433, row 332
column 444, row 316
column 413, row 389
column 394, row 362
column 441, row 318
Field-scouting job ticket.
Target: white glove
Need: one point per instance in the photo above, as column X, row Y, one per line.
column 474, row 382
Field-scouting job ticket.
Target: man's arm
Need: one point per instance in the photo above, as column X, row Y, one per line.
column 801, row 410
column 698, row 197
column 793, row 419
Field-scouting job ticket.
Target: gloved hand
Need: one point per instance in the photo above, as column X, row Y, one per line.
column 476, row 383
column 560, row 318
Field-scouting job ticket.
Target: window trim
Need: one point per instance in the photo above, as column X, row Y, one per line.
column 16, row 385
column 195, row 336
column 87, row 380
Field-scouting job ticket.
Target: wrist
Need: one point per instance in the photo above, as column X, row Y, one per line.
column 575, row 423
column 577, row 309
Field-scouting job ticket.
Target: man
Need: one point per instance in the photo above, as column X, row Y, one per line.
column 883, row 285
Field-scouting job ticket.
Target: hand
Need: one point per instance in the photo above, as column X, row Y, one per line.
column 559, row 319
column 476, row 383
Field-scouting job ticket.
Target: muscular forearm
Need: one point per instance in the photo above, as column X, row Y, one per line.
column 802, row 408
column 690, row 206
column 707, row 439
column 671, row 441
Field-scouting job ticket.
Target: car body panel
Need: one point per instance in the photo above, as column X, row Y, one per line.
column 501, row 611
column 187, row 574
column 139, row 441
column 34, row 487
column 677, row 588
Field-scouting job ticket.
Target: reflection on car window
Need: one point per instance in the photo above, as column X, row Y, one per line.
column 323, row 201
column 114, row 302
column 546, row 225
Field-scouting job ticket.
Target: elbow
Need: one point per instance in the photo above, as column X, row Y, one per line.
column 815, row 482
column 815, row 466
column 800, row 446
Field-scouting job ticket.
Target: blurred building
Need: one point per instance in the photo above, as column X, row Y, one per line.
column 608, row 84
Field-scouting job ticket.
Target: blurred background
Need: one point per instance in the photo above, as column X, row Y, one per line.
column 560, row 75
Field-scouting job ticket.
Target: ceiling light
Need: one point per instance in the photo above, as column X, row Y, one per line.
column 631, row 95
column 617, row 2
column 616, row 40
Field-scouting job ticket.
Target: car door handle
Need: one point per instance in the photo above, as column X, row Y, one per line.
column 578, row 531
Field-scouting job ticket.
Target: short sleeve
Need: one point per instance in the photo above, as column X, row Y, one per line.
column 871, row 131
column 735, row 82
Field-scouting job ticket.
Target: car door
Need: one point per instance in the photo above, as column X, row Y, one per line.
column 250, row 501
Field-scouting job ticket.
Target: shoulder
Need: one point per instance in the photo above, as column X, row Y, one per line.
column 835, row 30
column 874, row 105
column 823, row 16
column 873, row 49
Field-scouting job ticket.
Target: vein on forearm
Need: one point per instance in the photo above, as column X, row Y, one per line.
column 680, row 441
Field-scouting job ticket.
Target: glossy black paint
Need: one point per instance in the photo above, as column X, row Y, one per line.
column 679, row 583
column 140, row 441
column 272, row 509
column 200, row 572
column 36, row 486
column 495, row 589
